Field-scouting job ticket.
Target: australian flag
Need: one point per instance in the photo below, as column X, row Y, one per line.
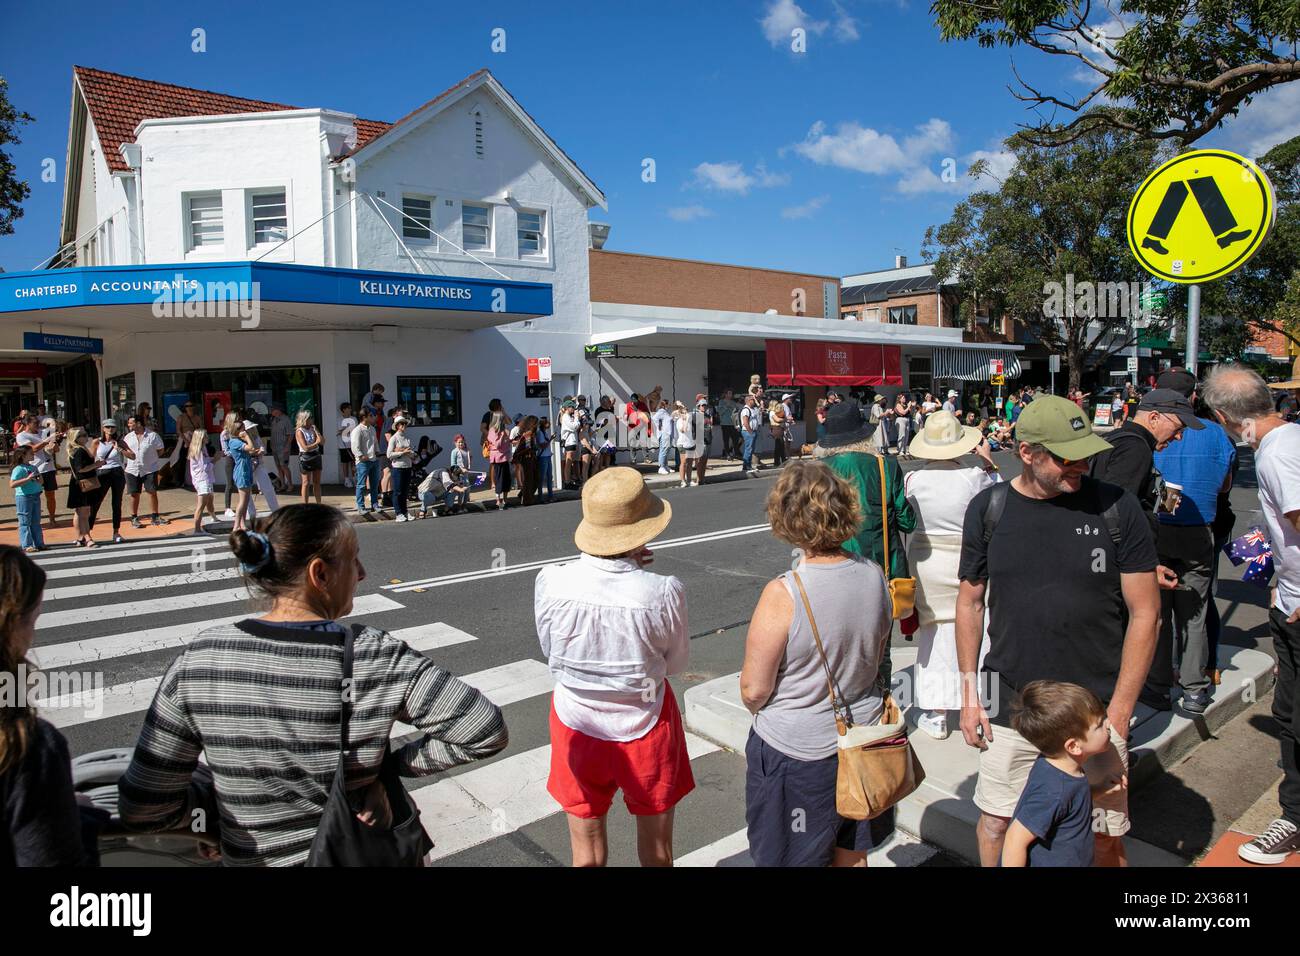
column 1253, row 550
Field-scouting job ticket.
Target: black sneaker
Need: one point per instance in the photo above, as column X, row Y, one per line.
column 1274, row 845
column 1195, row 702
column 158, row 520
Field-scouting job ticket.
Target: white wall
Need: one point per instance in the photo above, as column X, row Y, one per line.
column 234, row 155
column 437, row 158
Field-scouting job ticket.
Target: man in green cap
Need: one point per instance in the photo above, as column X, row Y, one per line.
column 1068, row 564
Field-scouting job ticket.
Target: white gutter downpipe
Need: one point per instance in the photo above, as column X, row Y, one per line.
column 132, row 154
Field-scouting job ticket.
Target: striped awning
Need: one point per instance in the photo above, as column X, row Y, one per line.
column 971, row 365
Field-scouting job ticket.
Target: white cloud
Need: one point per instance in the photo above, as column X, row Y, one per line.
column 805, row 210
column 854, row 147
column 731, row 177
column 846, row 27
column 1272, row 117
column 783, row 16
column 925, row 161
column 688, row 213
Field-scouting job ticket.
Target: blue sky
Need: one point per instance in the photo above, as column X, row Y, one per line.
column 830, row 161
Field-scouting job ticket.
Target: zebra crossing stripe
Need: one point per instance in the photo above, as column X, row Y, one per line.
column 131, row 585
column 479, row 805
column 176, row 602
column 200, row 558
column 504, row 685
column 118, row 552
column 100, row 649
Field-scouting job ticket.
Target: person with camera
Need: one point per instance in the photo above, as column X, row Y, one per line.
column 44, row 442
column 107, row 448
column 83, row 488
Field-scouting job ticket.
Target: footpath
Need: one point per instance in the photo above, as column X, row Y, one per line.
column 177, row 506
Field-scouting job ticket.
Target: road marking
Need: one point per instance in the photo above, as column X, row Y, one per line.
column 466, row 576
column 106, row 648
column 731, row 850
column 116, row 552
column 490, row 801
column 136, row 608
column 131, row 585
column 202, row 558
column 429, row 637
column 901, row 849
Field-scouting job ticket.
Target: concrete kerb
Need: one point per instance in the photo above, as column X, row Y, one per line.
column 942, row 811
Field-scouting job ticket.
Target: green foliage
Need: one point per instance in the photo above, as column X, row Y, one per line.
column 1057, row 218
column 1174, row 68
column 12, row 189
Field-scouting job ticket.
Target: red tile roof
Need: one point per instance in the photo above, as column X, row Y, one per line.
column 118, row 104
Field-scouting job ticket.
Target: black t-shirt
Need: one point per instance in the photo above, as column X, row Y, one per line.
column 1056, row 611
column 1131, row 464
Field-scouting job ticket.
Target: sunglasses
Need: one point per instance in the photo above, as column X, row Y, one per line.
column 1065, row 462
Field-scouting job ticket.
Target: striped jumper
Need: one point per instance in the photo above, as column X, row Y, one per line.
column 262, row 701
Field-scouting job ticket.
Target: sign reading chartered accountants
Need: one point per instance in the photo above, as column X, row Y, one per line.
column 266, row 282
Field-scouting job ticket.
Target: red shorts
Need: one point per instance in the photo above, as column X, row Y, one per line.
column 654, row 771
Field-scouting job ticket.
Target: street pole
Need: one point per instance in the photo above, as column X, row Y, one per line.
column 1193, row 327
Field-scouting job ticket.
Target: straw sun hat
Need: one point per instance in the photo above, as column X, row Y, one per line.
column 944, row 437
column 1295, row 378
column 619, row 513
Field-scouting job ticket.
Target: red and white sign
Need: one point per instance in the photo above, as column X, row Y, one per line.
column 539, row 369
column 995, row 367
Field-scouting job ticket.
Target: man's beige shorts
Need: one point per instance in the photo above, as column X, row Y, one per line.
column 1005, row 766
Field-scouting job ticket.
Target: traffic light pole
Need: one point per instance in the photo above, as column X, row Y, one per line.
column 1193, row 327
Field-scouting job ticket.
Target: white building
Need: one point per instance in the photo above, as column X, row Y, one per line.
column 234, row 251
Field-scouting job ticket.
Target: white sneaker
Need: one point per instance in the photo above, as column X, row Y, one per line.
column 229, row 515
column 400, row 518
column 664, row 471
column 934, row 723
column 683, row 484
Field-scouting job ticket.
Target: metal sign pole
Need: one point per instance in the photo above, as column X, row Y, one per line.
column 1193, row 326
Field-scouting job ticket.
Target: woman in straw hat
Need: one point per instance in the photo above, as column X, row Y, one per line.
column 613, row 633
column 939, row 492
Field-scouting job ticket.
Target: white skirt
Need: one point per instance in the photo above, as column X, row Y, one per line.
column 937, row 676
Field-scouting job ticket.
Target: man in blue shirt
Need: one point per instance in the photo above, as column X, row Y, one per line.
column 1202, row 465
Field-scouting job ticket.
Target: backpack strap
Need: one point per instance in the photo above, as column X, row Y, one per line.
column 1108, row 498
column 993, row 509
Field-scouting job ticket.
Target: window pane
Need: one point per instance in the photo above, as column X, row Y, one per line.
column 418, row 219
column 530, row 233
column 205, row 221
column 430, row 400
column 476, row 228
column 270, row 220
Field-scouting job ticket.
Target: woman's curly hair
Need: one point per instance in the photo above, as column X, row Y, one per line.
column 813, row 508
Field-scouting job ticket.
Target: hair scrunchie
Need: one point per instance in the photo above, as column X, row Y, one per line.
column 254, row 566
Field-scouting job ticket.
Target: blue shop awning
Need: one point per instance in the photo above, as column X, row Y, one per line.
column 287, row 296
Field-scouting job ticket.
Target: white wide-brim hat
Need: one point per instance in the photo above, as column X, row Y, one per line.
column 944, row 437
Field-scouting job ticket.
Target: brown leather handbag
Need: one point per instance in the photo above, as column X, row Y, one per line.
column 877, row 766
column 902, row 591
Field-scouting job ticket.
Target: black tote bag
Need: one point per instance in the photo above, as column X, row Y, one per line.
column 343, row 840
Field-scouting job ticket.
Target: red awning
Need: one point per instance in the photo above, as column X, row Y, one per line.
column 833, row 363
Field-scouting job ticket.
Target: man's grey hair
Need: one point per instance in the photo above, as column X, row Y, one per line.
column 1237, row 393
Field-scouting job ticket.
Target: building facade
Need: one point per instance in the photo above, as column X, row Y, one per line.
column 233, row 252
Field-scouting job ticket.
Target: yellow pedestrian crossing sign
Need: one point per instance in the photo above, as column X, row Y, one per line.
column 1228, row 217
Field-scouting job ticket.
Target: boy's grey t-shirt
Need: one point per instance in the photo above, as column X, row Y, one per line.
column 1057, row 809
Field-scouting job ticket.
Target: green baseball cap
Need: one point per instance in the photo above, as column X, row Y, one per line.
column 1059, row 426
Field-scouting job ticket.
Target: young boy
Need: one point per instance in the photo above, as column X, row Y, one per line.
column 1052, row 824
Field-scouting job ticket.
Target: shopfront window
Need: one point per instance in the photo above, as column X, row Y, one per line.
column 121, row 399
column 430, row 399
column 215, row 392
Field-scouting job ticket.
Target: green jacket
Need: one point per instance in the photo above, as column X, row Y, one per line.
column 863, row 472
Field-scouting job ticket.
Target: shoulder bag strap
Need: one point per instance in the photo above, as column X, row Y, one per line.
column 884, row 514
column 840, row 724
column 346, row 690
